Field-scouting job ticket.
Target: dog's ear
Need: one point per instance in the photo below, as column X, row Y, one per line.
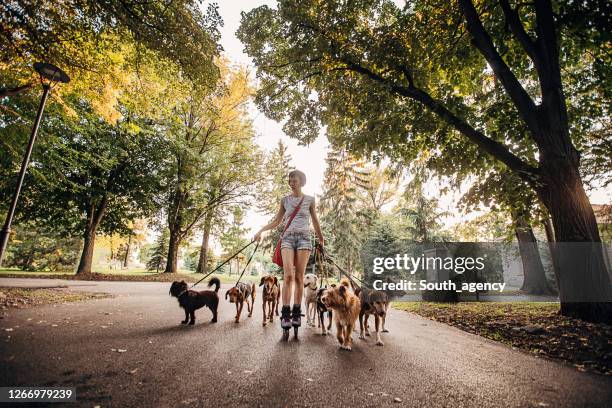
column 261, row 282
column 183, row 281
column 275, row 280
column 342, row 290
column 226, row 293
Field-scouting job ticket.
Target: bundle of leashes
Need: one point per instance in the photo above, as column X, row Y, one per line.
column 351, row 278
column 229, row 259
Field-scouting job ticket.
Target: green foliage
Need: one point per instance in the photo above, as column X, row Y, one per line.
column 36, row 249
column 83, row 166
column 77, row 35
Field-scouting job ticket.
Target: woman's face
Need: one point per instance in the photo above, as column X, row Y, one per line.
column 294, row 182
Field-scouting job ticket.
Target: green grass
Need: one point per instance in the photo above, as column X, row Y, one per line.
column 132, row 274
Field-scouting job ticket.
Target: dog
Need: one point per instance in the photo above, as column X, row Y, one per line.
column 321, row 310
column 373, row 302
column 346, row 307
column 240, row 294
column 271, row 297
column 311, row 284
column 191, row 300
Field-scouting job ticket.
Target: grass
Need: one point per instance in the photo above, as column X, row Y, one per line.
column 132, row 274
column 536, row 327
column 24, row 297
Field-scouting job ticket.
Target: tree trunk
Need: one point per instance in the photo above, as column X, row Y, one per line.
column 584, row 283
column 173, row 247
column 534, row 278
column 94, row 217
column 550, row 237
column 204, row 248
column 126, row 259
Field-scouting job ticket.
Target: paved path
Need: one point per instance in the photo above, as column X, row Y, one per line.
column 423, row 363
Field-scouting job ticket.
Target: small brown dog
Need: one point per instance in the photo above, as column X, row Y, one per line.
column 271, row 297
column 191, row 300
column 346, row 307
column 240, row 294
column 373, row 302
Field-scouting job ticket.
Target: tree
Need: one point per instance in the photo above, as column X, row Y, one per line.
column 273, row 188
column 205, row 129
column 345, row 180
column 88, row 176
column 157, row 259
column 81, row 37
column 419, row 72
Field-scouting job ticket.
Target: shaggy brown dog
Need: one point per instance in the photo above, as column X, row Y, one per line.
column 271, row 297
column 346, row 306
column 191, row 300
column 373, row 302
column 240, row 294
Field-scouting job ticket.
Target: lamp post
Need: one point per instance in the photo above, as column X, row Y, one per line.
column 49, row 75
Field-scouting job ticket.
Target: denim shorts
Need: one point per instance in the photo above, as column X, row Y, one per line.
column 296, row 240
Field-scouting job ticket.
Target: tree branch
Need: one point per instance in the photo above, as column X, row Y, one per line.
column 493, row 147
column 514, row 22
column 482, row 40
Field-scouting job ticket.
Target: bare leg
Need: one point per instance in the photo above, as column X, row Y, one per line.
column 300, row 268
column 289, row 275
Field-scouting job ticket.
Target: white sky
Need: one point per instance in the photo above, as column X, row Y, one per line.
column 310, row 159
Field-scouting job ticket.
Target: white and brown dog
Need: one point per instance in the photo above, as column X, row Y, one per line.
column 311, row 285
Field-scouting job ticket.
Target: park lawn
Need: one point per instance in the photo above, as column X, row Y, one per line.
column 535, row 327
column 133, row 274
column 25, row 297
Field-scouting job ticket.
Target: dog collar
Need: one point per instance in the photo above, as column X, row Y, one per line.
column 182, row 293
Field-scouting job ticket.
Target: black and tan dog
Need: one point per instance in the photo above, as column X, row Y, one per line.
column 192, row 300
column 240, row 294
column 373, row 302
column 321, row 310
column 271, row 297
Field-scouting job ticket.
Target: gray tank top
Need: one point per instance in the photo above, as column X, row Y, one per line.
column 301, row 222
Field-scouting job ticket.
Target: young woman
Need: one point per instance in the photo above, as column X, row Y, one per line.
column 295, row 245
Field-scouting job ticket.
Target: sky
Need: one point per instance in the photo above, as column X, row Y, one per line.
column 311, row 159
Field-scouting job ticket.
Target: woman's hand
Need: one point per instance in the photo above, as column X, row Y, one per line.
column 257, row 236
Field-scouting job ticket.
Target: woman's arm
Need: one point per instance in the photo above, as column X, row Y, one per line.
column 315, row 222
column 278, row 218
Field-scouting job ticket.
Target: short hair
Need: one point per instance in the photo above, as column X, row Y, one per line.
column 299, row 174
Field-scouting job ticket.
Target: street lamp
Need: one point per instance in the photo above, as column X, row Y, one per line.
column 49, row 76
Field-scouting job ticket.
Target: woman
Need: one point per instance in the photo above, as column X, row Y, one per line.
column 295, row 245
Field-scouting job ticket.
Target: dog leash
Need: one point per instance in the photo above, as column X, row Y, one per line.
column 345, row 273
column 247, row 264
column 226, row 261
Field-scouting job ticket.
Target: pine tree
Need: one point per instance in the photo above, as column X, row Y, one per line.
column 158, row 257
column 345, row 180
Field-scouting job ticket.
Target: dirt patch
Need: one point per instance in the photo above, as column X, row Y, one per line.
column 27, row 297
column 531, row 326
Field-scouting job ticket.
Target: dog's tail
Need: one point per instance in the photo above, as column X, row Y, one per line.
column 216, row 282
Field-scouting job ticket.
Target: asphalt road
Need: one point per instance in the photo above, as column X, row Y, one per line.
column 423, row 363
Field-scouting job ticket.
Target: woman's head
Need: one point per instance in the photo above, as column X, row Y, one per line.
column 297, row 179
